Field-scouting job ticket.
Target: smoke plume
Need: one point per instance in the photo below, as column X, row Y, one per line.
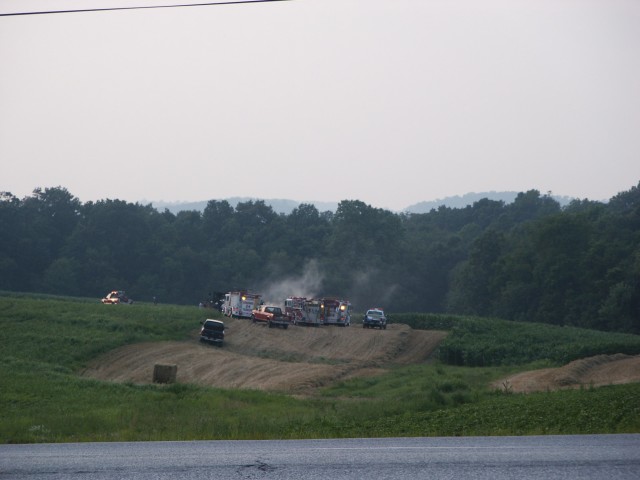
column 308, row 285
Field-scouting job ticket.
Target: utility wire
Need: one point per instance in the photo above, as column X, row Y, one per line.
column 48, row 12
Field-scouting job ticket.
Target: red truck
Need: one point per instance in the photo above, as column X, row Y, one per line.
column 273, row 316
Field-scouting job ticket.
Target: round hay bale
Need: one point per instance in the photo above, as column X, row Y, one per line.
column 164, row 373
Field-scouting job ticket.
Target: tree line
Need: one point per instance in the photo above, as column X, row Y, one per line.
column 529, row 260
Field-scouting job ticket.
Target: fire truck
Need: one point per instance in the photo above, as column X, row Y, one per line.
column 240, row 304
column 316, row 312
column 294, row 308
column 303, row 311
column 334, row 311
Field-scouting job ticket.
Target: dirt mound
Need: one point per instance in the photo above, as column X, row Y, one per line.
column 594, row 371
column 293, row 360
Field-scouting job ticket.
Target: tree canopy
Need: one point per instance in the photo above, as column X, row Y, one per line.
column 529, row 260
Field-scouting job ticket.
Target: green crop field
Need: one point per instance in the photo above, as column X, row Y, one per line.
column 478, row 342
column 46, row 341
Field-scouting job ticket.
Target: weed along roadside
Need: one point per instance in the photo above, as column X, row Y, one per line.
column 423, row 375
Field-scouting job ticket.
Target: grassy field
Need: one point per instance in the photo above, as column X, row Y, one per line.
column 479, row 342
column 45, row 341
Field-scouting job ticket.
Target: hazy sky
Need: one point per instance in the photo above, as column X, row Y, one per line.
column 391, row 102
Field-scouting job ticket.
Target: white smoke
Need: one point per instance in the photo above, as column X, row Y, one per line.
column 307, row 285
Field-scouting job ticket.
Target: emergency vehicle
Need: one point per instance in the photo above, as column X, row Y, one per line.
column 303, row 311
column 334, row 311
column 240, row 304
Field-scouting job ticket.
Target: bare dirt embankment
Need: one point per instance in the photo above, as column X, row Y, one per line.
column 295, row 360
column 300, row 359
column 594, row 371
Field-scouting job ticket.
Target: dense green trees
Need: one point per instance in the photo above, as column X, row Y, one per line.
column 530, row 260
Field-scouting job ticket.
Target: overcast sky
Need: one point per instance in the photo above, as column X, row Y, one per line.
column 391, row 102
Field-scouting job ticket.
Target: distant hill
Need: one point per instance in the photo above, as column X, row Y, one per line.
column 461, row 201
column 285, row 206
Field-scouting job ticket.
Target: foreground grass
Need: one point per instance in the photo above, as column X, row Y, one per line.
column 46, row 341
column 64, row 408
column 611, row 409
column 59, row 407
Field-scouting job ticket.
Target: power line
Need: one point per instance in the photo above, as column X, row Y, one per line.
column 48, row 12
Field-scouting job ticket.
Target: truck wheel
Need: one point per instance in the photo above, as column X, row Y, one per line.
column 253, row 319
column 286, row 326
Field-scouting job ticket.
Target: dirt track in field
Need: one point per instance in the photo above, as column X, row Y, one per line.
column 299, row 359
column 593, row 371
column 295, row 360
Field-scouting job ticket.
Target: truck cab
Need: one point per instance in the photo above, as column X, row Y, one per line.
column 271, row 315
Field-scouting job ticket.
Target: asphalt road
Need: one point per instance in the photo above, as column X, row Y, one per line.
column 607, row 457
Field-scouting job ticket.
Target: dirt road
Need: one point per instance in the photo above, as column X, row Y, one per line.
column 295, row 360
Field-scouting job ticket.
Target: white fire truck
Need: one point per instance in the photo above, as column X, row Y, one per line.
column 240, row 304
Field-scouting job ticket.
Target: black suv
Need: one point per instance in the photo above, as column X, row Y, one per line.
column 374, row 318
column 212, row 331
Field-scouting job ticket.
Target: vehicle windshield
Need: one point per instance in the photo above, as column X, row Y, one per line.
column 219, row 327
column 374, row 313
